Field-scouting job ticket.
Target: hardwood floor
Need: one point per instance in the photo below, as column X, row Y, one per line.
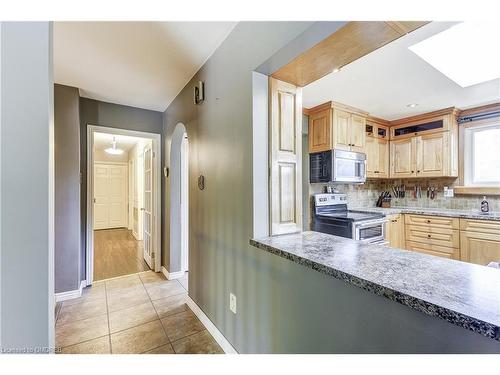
column 117, row 253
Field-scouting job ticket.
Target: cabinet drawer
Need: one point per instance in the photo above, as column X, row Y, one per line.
column 432, row 221
column 433, row 235
column 440, row 251
column 483, row 226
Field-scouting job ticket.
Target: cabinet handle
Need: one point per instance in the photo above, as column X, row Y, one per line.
column 418, row 171
column 428, row 236
column 429, row 221
column 412, row 171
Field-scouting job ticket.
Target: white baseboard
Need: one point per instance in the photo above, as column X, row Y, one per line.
column 172, row 275
column 71, row 294
column 216, row 334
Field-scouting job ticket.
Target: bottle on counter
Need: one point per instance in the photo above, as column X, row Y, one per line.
column 485, row 206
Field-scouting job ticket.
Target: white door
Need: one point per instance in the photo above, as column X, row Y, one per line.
column 100, row 196
column 148, row 225
column 110, row 196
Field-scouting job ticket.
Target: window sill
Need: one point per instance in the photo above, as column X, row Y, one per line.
column 477, row 190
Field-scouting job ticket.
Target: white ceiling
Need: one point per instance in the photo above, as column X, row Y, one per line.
column 124, row 142
column 386, row 80
column 140, row 64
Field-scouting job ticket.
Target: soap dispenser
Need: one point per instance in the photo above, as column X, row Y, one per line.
column 485, row 207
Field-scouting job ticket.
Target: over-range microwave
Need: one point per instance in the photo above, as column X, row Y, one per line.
column 337, row 166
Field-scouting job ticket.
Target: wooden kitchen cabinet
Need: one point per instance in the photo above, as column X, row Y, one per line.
column 320, row 138
column 479, row 248
column 395, row 231
column 425, row 145
column 376, row 149
column 403, row 154
column 335, row 125
column 479, row 241
column 424, row 156
column 433, row 235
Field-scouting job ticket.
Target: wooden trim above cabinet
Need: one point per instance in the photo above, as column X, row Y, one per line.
column 424, row 117
column 347, row 44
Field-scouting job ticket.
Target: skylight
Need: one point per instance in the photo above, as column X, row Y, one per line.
column 467, row 53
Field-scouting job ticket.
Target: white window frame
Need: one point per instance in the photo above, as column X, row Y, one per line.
column 469, row 154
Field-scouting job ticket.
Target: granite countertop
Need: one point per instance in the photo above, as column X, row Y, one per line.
column 464, row 214
column 463, row 294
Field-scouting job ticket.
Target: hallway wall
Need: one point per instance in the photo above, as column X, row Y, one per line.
column 27, row 186
column 67, row 188
column 220, row 217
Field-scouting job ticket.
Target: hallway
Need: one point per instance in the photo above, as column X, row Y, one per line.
column 140, row 313
column 117, row 253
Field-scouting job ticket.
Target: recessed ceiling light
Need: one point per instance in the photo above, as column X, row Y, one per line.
column 336, row 70
column 412, row 105
column 465, row 53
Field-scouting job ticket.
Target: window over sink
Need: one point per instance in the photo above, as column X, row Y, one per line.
column 482, row 155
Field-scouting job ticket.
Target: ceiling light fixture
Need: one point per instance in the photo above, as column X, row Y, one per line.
column 336, row 70
column 465, row 53
column 113, row 150
column 412, row 105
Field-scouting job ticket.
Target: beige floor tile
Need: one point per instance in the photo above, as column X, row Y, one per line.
column 181, row 325
column 184, row 280
column 164, row 349
column 170, row 305
column 95, row 346
column 122, row 298
column 150, row 277
column 95, row 291
column 123, row 283
column 164, row 289
column 131, row 317
column 199, row 343
column 139, row 339
column 81, row 330
column 85, row 309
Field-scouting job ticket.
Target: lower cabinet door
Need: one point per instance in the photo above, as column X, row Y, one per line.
column 479, row 248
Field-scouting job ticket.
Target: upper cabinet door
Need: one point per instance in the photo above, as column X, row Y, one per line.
column 372, row 156
column 383, row 158
column 403, row 158
column 431, row 151
column 341, row 131
column 320, row 138
column 357, row 133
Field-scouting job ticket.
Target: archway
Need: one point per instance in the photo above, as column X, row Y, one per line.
column 179, row 201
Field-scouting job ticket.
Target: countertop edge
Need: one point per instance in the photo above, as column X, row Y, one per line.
column 459, row 319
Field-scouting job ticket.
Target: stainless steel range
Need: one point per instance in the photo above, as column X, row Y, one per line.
column 332, row 216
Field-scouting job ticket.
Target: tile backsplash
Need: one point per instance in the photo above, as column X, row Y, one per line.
column 366, row 195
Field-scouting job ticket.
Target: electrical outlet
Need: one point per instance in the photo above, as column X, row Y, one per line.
column 232, row 302
column 448, row 193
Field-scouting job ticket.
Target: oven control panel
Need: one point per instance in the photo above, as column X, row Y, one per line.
column 329, row 199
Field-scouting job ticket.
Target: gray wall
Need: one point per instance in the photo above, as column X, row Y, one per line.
column 27, row 191
column 94, row 112
column 67, row 188
column 282, row 307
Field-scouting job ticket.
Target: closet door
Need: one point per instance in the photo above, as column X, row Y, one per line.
column 110, row 196
column 117, row 181
column 101, row 220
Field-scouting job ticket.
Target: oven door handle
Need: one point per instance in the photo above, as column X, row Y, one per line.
column 365, row 224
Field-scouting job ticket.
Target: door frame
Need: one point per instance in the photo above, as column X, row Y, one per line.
column 156, row 147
